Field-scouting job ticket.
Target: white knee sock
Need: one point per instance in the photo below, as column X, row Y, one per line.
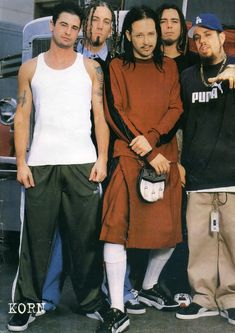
column 115, row 263
column 157, row 260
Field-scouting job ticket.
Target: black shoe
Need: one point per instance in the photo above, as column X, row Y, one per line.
column 99, row 313
column 158, row 298
column 133, row 306
column 115, row 321
column 229, row 314
column 19, row 322
column 194, row 311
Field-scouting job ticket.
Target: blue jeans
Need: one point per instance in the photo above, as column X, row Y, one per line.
column 51, row 290
column 127, row 286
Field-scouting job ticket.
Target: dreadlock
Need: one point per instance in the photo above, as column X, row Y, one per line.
column 182, row 43
column 89, row 13
column 136, row 14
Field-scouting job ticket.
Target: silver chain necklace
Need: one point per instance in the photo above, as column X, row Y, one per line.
column 202, row 73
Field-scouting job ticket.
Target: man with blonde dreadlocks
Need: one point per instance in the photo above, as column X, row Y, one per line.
column 100, row 25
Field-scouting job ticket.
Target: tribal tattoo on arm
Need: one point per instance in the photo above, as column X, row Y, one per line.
column 100, row 83
column 21, row 100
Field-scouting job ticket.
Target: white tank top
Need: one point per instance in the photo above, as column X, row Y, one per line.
column 62, row 101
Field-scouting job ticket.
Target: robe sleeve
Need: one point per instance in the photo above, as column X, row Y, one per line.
column 114, row 104
column 170, row 118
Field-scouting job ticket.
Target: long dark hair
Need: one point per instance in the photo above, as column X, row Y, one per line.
column 182, row 43
column 89, row 12
column 67, row 7
column 136, row 14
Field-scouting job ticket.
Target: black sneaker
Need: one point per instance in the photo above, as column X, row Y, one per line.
column 157, row 298
column 99, row 313
column 194, row 311
column 19, row 322
column 133, row 306
column 229, row 314
column 115, row 321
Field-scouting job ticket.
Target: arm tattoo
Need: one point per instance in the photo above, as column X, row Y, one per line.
column 100, row 79
column 22, row 99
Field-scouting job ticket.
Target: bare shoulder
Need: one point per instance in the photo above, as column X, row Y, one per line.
column 93, row 67
column 27, row 69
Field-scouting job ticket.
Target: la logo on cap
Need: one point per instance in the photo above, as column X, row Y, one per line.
column 198, row 20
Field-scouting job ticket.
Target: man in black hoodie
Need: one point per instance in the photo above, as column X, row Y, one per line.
column 208, row 157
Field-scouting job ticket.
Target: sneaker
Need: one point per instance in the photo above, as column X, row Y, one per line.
column 115, row 321
column 133, row 306
column 183, row 299
column 19, row 322
column 229, row 314
column 194, row 311
column 40, row 313
column 100, row 313
column 46, row 307
column 157, row 298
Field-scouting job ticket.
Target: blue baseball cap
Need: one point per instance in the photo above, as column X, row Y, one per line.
column 205, row 20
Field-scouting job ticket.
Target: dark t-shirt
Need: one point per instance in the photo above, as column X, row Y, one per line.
column 209, row 129
column 184, row 61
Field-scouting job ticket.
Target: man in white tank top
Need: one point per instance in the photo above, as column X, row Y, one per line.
column 61, row 174
column 99, row 25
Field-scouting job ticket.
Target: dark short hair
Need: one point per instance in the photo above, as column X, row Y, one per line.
column 182, row 43
column 136, row 14
column 67, row 7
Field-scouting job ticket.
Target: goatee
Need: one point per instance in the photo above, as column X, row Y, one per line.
column 96, row 42
column 168, row 42
column 206, row 61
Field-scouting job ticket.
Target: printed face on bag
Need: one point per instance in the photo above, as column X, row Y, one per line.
column 143, row 38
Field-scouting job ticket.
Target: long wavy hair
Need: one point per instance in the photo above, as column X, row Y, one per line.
column 182, row 43
column 136, row 14
column 89, row 12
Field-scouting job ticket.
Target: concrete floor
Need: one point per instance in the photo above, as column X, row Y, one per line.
column 64, row 320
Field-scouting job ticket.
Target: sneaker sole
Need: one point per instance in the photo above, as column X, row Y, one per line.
column 225, row 315
column 132, row 311
column 157, row 305
column 95, row 316
column 40, row 313
column 21, row 328
column 198, row 315
column 43, row 312
column 124, row 327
